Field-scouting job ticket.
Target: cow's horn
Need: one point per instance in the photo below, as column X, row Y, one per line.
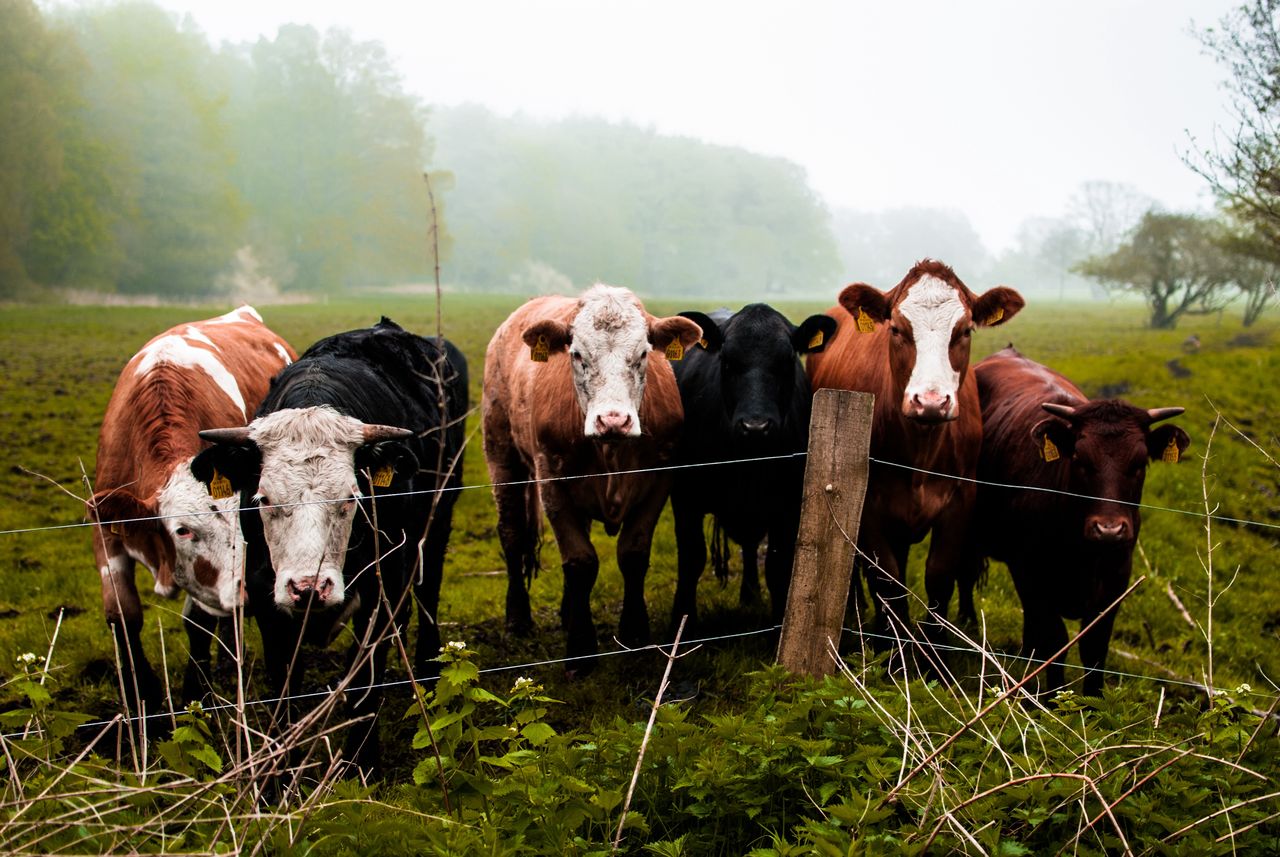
column 374, row 433
column 1064, row 411
column 1158, row 414
column 238, row 435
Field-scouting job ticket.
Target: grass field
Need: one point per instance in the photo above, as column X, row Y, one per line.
column 58, row 366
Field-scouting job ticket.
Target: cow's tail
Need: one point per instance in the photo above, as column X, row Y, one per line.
column 719, row 551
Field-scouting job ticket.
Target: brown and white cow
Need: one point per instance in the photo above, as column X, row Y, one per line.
column 1069, row 541
column 910, row 347
column 149, row 507
column 580, row 387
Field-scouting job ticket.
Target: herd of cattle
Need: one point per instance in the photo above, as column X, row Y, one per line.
column 344, row 466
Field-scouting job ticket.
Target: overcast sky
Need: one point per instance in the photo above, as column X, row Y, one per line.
column 999, row 109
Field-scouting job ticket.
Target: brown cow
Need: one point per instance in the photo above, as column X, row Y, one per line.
column 579, row 387
column 212, row 372
column 1070, row 556
column 910, row 347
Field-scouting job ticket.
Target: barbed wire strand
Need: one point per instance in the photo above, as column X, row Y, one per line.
column 1226, row 519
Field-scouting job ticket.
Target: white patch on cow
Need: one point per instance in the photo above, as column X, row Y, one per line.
column 933, row 307
column 308, row 455
column 283, row 352
column 184, row 506
column 176, row 351
column 193, row 332
column 609, row 355
column 237, row 316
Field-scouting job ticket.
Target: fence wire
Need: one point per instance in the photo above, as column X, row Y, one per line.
column 1225, row 519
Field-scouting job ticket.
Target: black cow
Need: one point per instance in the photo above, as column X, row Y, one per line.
column 745, row 395
column 363, row 413
column 1070, row 556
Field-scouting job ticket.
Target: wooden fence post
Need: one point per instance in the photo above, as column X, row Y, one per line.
column 835, row 484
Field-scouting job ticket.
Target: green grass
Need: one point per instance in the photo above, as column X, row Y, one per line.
column 58, row 366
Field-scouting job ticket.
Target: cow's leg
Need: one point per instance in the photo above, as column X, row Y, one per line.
column 634, row 543
column 885, row 564
column 1093, row 650
column 950, row 556
column 202, row 628
column 581, row 567
column 691, row 558
column 123, row 609
column 778, row 561
column 372, row 625
column 749, row 593
column 1043, row 631
column 426, row 590
column 517, row 521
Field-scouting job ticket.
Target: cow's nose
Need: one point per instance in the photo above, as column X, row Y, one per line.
column 931, row 406
column 755, row 427
column 1108, row 529
column 613, row 422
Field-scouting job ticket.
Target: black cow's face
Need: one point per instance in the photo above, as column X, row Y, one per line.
column 1107, row 445
column 757, row 348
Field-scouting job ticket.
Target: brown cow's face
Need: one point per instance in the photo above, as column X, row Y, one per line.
column 930, row 317
column 1107, row 445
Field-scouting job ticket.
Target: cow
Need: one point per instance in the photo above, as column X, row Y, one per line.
column 910, row 348
column 147, row 507
column 745, row 395
column 1067, row 532
column 348, row 475
column 578, row 395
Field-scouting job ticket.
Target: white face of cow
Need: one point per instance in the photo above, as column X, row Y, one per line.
column 609, row 352
column 208, row 560
column 308, row 455
column 933, row 309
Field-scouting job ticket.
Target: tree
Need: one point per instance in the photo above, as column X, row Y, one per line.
column 1257, row 264
column 1106, row 212
column 1178, row 263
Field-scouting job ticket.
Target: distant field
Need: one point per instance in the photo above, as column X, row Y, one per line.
column 58, row 366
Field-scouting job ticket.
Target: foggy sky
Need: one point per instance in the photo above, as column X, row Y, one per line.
column 998, row 109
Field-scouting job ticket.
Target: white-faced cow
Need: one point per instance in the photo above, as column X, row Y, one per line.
column 579, row 387
column 370, row 412
column 745, row 395
column 910, row 347
column 149, row 508
column 1070, row 553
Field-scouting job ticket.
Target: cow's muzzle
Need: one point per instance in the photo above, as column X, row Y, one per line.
column 931, row 407
column 318, row 590
column 1107, row 530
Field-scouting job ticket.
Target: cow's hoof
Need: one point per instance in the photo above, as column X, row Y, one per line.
column 520, row 627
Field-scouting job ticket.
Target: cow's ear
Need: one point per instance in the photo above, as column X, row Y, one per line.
column 387, row 462
column 111, row 507
column 712, row 336
column 1053, row 438
column 549, row 334
column 1167, row 443
column 676, row 328
column 996, row 306
column 227, row 469
column 860, row 298
column 813, row 334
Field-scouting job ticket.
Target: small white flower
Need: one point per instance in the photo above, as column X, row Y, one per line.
column 1219, row 693
column 456, row 645
column 28, row 658
column 521, row 683
column 1244, row 688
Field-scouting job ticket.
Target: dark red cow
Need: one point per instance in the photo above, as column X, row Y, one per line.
column 212, row 372
column 1070, row 556
column 910, row 347
column 574, row 388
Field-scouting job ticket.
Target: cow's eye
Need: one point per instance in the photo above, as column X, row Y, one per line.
column 184, row 533
column 893, row 328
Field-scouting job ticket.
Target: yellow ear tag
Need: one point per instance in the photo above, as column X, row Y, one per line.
column 865, row 322
column 116, row 529
column 1171, row 452
column 995, row 316
column 1050, row 452
column 675, row 351
column 703, row 342
column 817, row 340
column 382, row 476
column 540, row 350
column 219, row 486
